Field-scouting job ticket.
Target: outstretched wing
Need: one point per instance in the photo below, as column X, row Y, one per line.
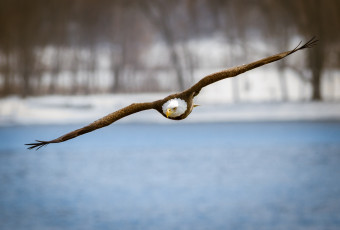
column 232, row 72
column 105, row 121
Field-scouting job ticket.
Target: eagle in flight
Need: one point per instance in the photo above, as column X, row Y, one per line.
column 175, row 106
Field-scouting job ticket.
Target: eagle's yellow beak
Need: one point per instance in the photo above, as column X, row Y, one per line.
column 168, row 112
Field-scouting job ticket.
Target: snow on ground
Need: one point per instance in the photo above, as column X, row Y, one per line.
column 85, row 109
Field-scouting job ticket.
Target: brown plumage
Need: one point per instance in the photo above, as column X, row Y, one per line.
column 186, row 95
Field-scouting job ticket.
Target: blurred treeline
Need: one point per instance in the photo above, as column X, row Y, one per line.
column 42, row 39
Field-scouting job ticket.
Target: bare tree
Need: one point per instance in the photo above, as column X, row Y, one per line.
column 158, row 13
column 317, row 18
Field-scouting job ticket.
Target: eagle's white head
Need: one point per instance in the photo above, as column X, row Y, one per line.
column 174, row 107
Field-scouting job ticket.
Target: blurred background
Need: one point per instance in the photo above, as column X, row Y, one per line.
column 87, row 47
column 261, row 152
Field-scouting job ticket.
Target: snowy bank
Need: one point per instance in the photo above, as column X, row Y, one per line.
column 85, row 109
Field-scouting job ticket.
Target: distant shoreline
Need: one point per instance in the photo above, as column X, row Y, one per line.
column 60, row 110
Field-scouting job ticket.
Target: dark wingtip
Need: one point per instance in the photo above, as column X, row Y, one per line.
column 312, row 42
column 37, row 145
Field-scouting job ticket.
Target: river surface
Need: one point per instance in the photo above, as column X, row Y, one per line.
column 252, row 175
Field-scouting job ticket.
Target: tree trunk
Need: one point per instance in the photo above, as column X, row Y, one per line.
column 7, row 86
column 177, row 66
column 315, row 63
column 117, row 85
column 26, row 67
column 282, row 81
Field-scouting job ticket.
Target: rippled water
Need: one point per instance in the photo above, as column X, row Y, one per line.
column 275, row 175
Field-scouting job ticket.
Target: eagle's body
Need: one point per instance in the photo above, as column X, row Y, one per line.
column 175, row 106
column 185, row 102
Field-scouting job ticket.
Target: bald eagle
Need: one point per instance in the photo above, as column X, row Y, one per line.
column 175, row 106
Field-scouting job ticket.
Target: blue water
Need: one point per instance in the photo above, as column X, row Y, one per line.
column 261, row 175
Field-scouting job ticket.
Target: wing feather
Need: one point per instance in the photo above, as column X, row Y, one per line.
column 105, row 121
column 232, row 72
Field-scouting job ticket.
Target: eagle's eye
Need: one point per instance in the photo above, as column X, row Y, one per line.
column 174, row 109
